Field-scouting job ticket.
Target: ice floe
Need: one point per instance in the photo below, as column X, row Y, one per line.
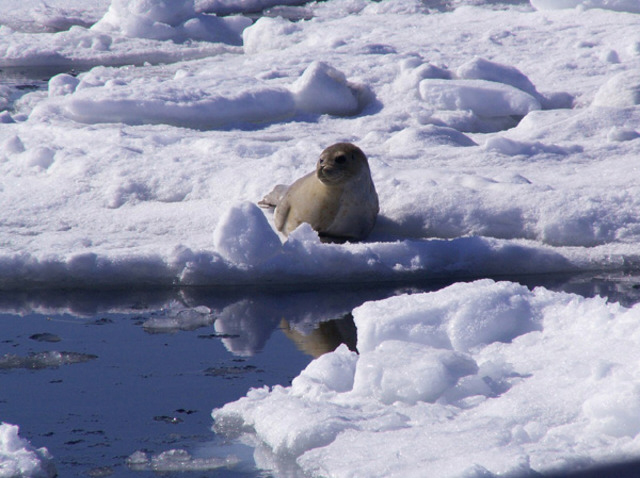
column 477, row 379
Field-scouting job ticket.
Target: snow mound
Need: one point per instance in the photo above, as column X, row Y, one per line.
column 269, row 34
column 101, row 97
column 169, row 20
column 476, row 105
column 484, row 98
column 385, row 374
column 323, row 89
column 244, row 236
column 18, row 458
column 482, row 69
column 455, row 381
column 512, row 147
column 403, row 141
column 620, row 91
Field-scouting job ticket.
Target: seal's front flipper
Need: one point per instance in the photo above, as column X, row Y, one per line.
column 272, row 199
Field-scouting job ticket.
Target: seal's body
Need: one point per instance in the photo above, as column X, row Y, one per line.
column 338, row 199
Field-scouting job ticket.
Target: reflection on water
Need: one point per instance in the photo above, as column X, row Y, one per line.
column 316, row 320
column 326, row 337
column 98, row 376
column 246, row 321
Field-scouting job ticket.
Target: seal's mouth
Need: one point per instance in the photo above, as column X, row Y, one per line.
column 330, row 175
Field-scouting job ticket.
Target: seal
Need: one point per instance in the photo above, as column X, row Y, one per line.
column 338, row 199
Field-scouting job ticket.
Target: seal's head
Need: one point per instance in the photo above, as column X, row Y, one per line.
column 339, row 163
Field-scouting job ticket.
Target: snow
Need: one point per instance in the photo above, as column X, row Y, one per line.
column 137, row 137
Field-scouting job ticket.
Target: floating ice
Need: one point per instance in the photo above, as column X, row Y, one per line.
column 52, row 359
column 177, row 460
column 180, row 317
column 18, row 458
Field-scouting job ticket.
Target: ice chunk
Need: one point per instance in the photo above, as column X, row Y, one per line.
column 180, row 317
column 178, row 460
column 99, row 98
column 18, row 458
column 413, row 70
column 13, row 145
column 42, row 360
column 40, row 157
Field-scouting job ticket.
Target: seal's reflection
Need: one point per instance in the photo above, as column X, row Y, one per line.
column 317, row 321
column 326, row 337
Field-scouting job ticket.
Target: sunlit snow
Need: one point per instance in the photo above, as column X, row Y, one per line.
column 137, row 136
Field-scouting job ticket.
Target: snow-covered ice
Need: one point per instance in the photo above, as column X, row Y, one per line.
column 141, row 174
column 502, row 139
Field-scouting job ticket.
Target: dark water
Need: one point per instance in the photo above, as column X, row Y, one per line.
column 97, row 376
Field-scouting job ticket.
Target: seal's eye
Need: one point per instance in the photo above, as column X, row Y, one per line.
column 340, row 159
